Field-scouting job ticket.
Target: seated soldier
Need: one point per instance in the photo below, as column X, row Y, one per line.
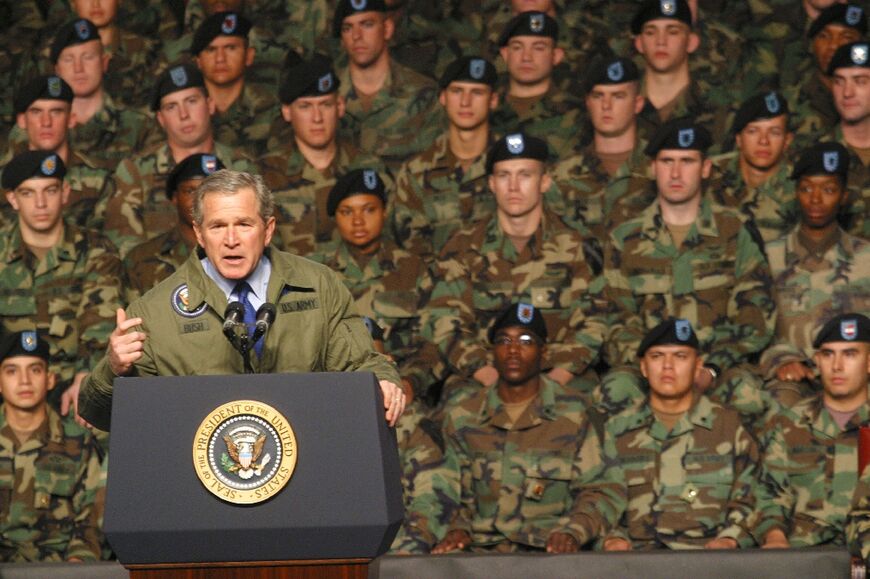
column 536, row 473
column 818, row 270
column 388, row 284
column 151, row 262
column 811, row 450
column 50, row 466
column 689, row 464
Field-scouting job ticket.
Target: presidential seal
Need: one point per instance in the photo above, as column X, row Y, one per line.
column 244, row 452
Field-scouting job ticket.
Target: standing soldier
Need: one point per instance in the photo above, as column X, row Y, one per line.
column 51, row 465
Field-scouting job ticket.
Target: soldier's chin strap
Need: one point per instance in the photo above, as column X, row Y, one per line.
column 234, row 319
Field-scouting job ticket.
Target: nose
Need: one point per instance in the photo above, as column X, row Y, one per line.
column 219, row 55
column 183, row 112
column 78, row 66
column 676, row 170
column 40, row 199
column 357, row 218
column 514, row 183
column 231, row 238
column 606, row 103
column 465, row 99
column 356, row 32
column 45, row 119
column 764, row 138
column 317, row 115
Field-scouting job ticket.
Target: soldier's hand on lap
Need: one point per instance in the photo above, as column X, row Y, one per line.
column 454, row 541
column 487, row 375
column 394, row 401
column 562, row 543
column 775, row 539
column 794, row 372
column 617, row 544
column 721, row 543
column 125, row 348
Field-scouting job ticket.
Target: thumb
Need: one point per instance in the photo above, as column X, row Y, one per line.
column 120, row 316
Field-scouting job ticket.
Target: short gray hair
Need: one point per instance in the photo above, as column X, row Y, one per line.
column 229, row 182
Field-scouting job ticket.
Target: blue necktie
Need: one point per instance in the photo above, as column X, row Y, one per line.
column 244, row 289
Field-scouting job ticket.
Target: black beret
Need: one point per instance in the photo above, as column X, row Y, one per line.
column 48, row 87
column 830, row 158
column 611, row 70
column 671, row 332
column 765, row 105
column 357, row 182
column 219, row 24
column 347, row 8
column 530, row 24
column 196, row 166
column 308, row 78
column 174, row 79
column 847, row 15
column 855, row 54
column 844, row 328
column 24, row 344
column 521, row 315
column 656, row 9
column 375, row 330
column 516, row 146
column 75, row 32
column 30, row 165
column 679, row 134
column 469, row 69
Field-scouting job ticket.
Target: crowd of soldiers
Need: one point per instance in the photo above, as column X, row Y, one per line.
column 618, row 251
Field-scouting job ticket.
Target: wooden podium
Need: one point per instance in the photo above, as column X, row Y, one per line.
column 340, row 508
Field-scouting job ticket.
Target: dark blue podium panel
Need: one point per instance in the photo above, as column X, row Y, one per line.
column 344, row 499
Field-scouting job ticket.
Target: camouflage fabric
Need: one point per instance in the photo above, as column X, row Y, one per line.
column 246, row 123
column 391, row 287
column 812, row 108
column 557, row 117
column 718, row 279
column 551, row 471
column 815, row 465
column 772, row 207
column 404, row 118
column 689, row 485
column 134, row 208
column 48, row 488
column 858, row 520
column 480, row 273
column 811, row 289
column 70, row 296
column 301, row 192
column 856, row 215
column 435, row 197
column 151, row 262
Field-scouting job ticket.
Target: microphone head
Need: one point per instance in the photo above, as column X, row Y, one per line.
column 266, row 313
column 233, row 315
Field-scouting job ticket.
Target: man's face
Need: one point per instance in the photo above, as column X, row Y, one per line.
column 518, row 186
column 364, row 36
column 39, row 203
column 665, row 44
column 844, row 367
column 829, row 39
column 517, row 355
column 185, row 115
column 225, row 59
column 670, row 371
column 613, row 108
column 232, row 232
column 25, row 381
column 82, row 66
column 100, row 12
column 762, row 143
column 820, row 198
column 468, row 104
column 520, row 6
column 215, row 6
column 183, row 200
column 851, row 92
column 46, row 123
column 360, row 221
column 315, row 119
column 530, row 59
column 679, row 174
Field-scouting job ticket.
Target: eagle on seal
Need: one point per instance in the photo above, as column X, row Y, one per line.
column 245, row 456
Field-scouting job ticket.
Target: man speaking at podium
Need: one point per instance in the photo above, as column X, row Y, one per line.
column 294, row 315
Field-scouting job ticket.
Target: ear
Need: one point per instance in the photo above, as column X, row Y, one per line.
column 638, row 45
column 249, row 56
column 558, row 55
column 699, row 363
column 643, row 367
column 694, row 42
column 10, row 197
column 211, row 106
column 270, row 230
column 493, row 101
column 71, row 120
column 738, row 140
column 546, row 181
column 639, row 102
column 491, row 182
column 65, row 193
column 706, row 168
column 442, row 98
column 789, row 137
column 160, row 120
column 198, row 232
column 50, row 381
column 389, row 28
column 503, row 51
column 342, row 106
column 286, row 114
column 21, row 121
column 106, row 58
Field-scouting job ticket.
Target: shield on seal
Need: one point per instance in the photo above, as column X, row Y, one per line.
column 849, row 329
column 683, row 329
column 515, row 143
column 685, row 137
column 525, row 313
column 831, row 161
column 536, row 23
column 178, row 76
column 228, row 26
column 49, row 165
column 358, row 4
column 669, row 8
column 853, row 15
column 54, row 86
column 324, row 83
column 82, row 30
column 370, row 179
column 615, row 72
column 476, row 68
column 859, row 54
column 772, row 103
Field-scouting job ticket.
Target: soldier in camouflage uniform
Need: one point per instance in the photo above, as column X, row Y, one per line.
column 532, row 103
column 593, row 178
column 58, row 278
column 522, row 253
column 444, row 188
column 108, row 132
column 811, row 450
column 689, row 464
column 755, row 178
column 304, row 170
column 536, row 472
column 50, row 466
column 45, row 114
column 244, row 110
column 133, row 207
column 818, row 270
column 151, row 262
column 390, row 109
column 686, row 257
column 388, row 284
column 850, row 71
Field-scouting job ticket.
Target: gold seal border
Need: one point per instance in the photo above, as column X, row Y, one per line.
column 221, row 414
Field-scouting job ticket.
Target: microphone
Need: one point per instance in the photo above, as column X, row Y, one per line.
column 265, row 318
column 233, row 316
